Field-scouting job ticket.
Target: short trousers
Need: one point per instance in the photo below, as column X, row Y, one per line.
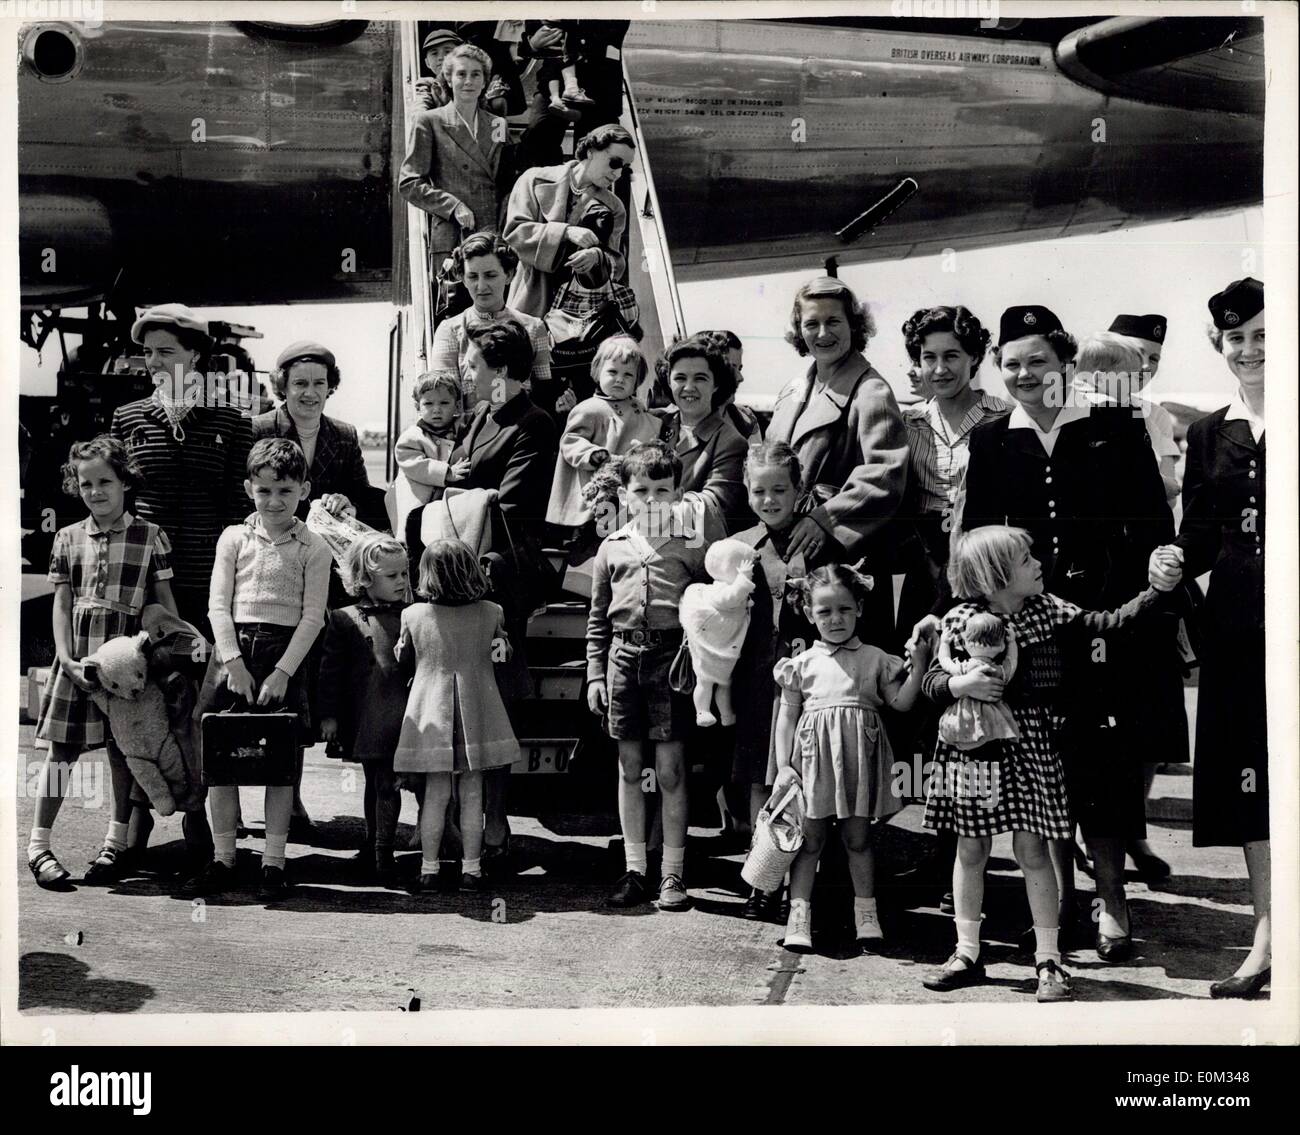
column 641, row 703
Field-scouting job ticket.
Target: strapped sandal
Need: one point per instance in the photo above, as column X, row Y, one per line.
column 1053, row 982
column 49, row 872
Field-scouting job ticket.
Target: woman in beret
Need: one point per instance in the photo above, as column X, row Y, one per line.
column 1223, row 533
column 305, row 376
column 1080, row 476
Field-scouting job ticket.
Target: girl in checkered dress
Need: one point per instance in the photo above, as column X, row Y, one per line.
column 1011, row 785
column 104, row 570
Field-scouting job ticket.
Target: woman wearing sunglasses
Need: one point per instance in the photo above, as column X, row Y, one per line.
column 543, row 207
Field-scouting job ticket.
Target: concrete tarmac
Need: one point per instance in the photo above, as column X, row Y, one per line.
column 543, row 938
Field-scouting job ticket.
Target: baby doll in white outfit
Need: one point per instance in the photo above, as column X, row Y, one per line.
column 715, row 617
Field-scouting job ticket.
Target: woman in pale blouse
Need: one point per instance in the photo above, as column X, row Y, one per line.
column 947, row 346
column 486, row 265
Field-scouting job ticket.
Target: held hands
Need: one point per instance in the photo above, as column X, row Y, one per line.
column 598, row 698
column 927, row 633
column 274, row 688
column 1165, row 568
column 583, row 238
column 598, row 456
column 458, row 471
column 464, row 216
column 240, row 681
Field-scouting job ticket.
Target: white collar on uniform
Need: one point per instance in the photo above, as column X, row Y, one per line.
column 1238, row 411
column 1075, row 410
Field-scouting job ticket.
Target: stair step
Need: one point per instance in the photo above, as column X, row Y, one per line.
column 560, row 683
column 560, row 620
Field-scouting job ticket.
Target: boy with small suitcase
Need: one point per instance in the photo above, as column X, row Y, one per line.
column 270, row 585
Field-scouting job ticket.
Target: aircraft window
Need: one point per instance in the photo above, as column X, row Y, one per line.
column 54, row 53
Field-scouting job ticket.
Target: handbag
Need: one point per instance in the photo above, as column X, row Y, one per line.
column 681, row 671
column 778, row 837
column 576, row 338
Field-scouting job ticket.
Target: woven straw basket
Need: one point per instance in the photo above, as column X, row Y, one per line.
column 778, row 836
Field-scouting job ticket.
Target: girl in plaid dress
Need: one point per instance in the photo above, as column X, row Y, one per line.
column 105, row 569
column 1011, row 785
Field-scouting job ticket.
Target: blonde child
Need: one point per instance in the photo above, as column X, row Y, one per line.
column 1115, row 365
column 455, row 723
column 363, row 689
column 830, row 738
column 270, row 585
column 423, row 449
column 104, row 570
column 606, row 425
column 1010, row 785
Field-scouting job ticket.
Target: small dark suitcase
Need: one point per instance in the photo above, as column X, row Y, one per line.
column 249, row 748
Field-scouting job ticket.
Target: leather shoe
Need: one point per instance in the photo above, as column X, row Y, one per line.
column 1114, row 948
column 1241, row 986
column 756, row 906
column 631, row 890
column 1150, row 868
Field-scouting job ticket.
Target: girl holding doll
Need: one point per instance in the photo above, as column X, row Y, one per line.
column 361, row 683
column 104, row 570
column 455, row 723
column 829, row 737
column 1007, row 784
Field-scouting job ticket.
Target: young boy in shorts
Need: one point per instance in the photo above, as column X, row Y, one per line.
column 270, row 585
column 633, row 634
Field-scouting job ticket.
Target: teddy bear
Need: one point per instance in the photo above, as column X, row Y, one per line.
column 715, row 617
column 153, row 729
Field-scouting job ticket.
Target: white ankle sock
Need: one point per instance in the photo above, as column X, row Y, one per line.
column 674, row 860
column 799, row 905
column 429, row 866
column 863, row 906
column 471, row 867
column 968, row 938
column 116, row 836
column 40, row 841
column 223, row 847
column 273, row 852
column 635, row 856
column 1046, row 948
